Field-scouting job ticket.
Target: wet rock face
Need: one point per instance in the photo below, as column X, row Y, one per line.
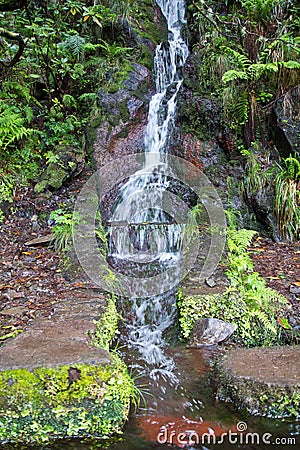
column 211, row 331
column 262, row 204
column 122, row 131
column 287, row 122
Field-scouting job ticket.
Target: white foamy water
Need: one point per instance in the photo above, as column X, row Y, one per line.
column 149, row 234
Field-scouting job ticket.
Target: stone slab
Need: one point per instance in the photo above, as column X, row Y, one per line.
column 272, row 365
column 62, row 339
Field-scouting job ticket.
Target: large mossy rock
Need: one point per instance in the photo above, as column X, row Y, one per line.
column 55, row 381
column 263, row 381
column 62, row 402
column 125, row 111
column 67, row 162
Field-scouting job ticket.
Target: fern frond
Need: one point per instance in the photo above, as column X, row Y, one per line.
column 12, row 128
column 88, row 97
column 242, row 60
column 232, row 75
column 239, row 240
column 290, row 64
column 75, row 44
column 264, row 320
column 242, row 109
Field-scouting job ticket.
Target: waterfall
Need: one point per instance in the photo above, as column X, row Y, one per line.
column 149, row 234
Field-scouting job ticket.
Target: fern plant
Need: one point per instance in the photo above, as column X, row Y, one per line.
column 75, row 44
column 246, row 76
column 263, row 304
column 261, row 10
column 287, row 199
column 12, row 127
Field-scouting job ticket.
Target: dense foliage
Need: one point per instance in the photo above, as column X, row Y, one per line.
column 247, row 59
column 249, row 53
column 54, row 57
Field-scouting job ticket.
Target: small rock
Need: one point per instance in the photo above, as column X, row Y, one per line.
column 34, row 224
column 210, row 282
column 294, row 289
column 210, row 331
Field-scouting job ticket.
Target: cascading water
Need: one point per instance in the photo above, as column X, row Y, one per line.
column 149, row 235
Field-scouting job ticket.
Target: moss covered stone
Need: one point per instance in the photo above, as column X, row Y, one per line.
column 151, row 23
column 263, row 381
column 54, row 381
column 51, row 403
column 67, row 161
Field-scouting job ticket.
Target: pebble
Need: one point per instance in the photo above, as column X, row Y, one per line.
column 294, row 289
column 210, row 282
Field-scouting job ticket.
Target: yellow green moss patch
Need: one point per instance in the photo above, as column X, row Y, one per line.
column 50, row 403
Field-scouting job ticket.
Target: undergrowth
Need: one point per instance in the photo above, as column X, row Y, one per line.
column 247, row 302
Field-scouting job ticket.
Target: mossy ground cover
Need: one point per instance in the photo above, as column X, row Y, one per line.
column 51, row 403
column 247, row 302
column 261, row 381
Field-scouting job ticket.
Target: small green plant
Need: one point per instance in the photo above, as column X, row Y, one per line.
column 107, row 325
column 63, row 228
column 12, row 127
column 256, row 178
column 287, row 199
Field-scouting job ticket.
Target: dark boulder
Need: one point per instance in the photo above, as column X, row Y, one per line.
column 287, row 122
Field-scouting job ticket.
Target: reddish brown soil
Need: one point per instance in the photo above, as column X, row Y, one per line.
column 32, row 278
column 279, row 264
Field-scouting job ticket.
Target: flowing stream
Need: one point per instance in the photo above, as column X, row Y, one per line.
column 152, row 236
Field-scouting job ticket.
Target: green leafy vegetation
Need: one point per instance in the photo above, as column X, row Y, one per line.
column 248, row 302
column 54, row 57
column 287, row 199
column 107, row 325
column 247, row 53
column 63, row 228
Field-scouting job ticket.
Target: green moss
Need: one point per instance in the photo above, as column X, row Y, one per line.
column 147, row 26
column 107, row 325
column 124, row 113
column 146, row 57
column 45, row 404
column 62, row 402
